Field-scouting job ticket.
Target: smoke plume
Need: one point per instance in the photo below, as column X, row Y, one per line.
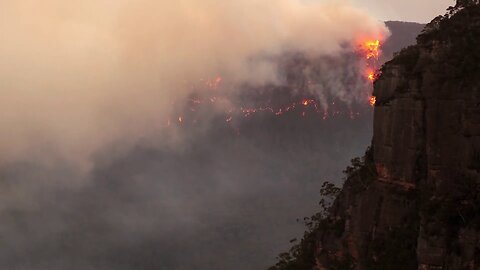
column 76, row 76
column 92, row 178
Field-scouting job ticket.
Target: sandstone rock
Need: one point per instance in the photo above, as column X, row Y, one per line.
column 422, row 210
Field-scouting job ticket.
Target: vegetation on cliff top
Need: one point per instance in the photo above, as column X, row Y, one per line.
column 457, row 32
column 301, row 256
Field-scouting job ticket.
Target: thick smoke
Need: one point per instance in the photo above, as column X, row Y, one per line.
column 76, row 76
column 90, row 176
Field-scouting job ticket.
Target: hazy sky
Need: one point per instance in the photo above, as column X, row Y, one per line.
column 406, row 10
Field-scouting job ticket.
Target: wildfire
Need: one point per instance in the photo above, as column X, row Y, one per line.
column 214, row 83
column 303, row 108
column 307, row 102
column 371, row 76
column 369, row 50
column 372, row 49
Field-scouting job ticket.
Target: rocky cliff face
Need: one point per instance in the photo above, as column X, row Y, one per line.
column 414, row 201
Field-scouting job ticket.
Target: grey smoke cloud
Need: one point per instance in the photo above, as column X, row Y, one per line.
column 406, row 10
column 78, row 75
column 91, row 179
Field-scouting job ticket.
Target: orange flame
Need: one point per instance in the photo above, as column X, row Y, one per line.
column 371, row 76
column 372, row 49
column 308, row 107
column 305, row 103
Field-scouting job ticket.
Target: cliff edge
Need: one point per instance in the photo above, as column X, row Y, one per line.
column 413, row 201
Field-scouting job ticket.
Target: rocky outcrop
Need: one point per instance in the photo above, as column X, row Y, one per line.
column 414, row 201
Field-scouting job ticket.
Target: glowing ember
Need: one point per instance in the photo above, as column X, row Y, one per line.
column 371, row 76
column 214, row 83
column 307, row 106
column 373, row 100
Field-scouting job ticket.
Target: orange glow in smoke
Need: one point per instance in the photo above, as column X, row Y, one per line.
column 371, row 76
column 368, row 49
column 372, row 49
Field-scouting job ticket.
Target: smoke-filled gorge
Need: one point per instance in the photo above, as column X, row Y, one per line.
column 175, row 134
column 83, row 75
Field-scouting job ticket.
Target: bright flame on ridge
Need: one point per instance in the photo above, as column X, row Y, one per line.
column 371, row 50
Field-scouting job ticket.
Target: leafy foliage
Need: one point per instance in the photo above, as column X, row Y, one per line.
column 361, row 173
column 302, row 255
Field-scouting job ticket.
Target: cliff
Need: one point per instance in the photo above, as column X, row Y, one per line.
column 413, row 201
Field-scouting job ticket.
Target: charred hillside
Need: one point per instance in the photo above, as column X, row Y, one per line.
column 413, row 201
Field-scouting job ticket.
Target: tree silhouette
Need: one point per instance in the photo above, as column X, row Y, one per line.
column 466, row 3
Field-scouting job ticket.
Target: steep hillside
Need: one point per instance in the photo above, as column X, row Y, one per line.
column 413, row 201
